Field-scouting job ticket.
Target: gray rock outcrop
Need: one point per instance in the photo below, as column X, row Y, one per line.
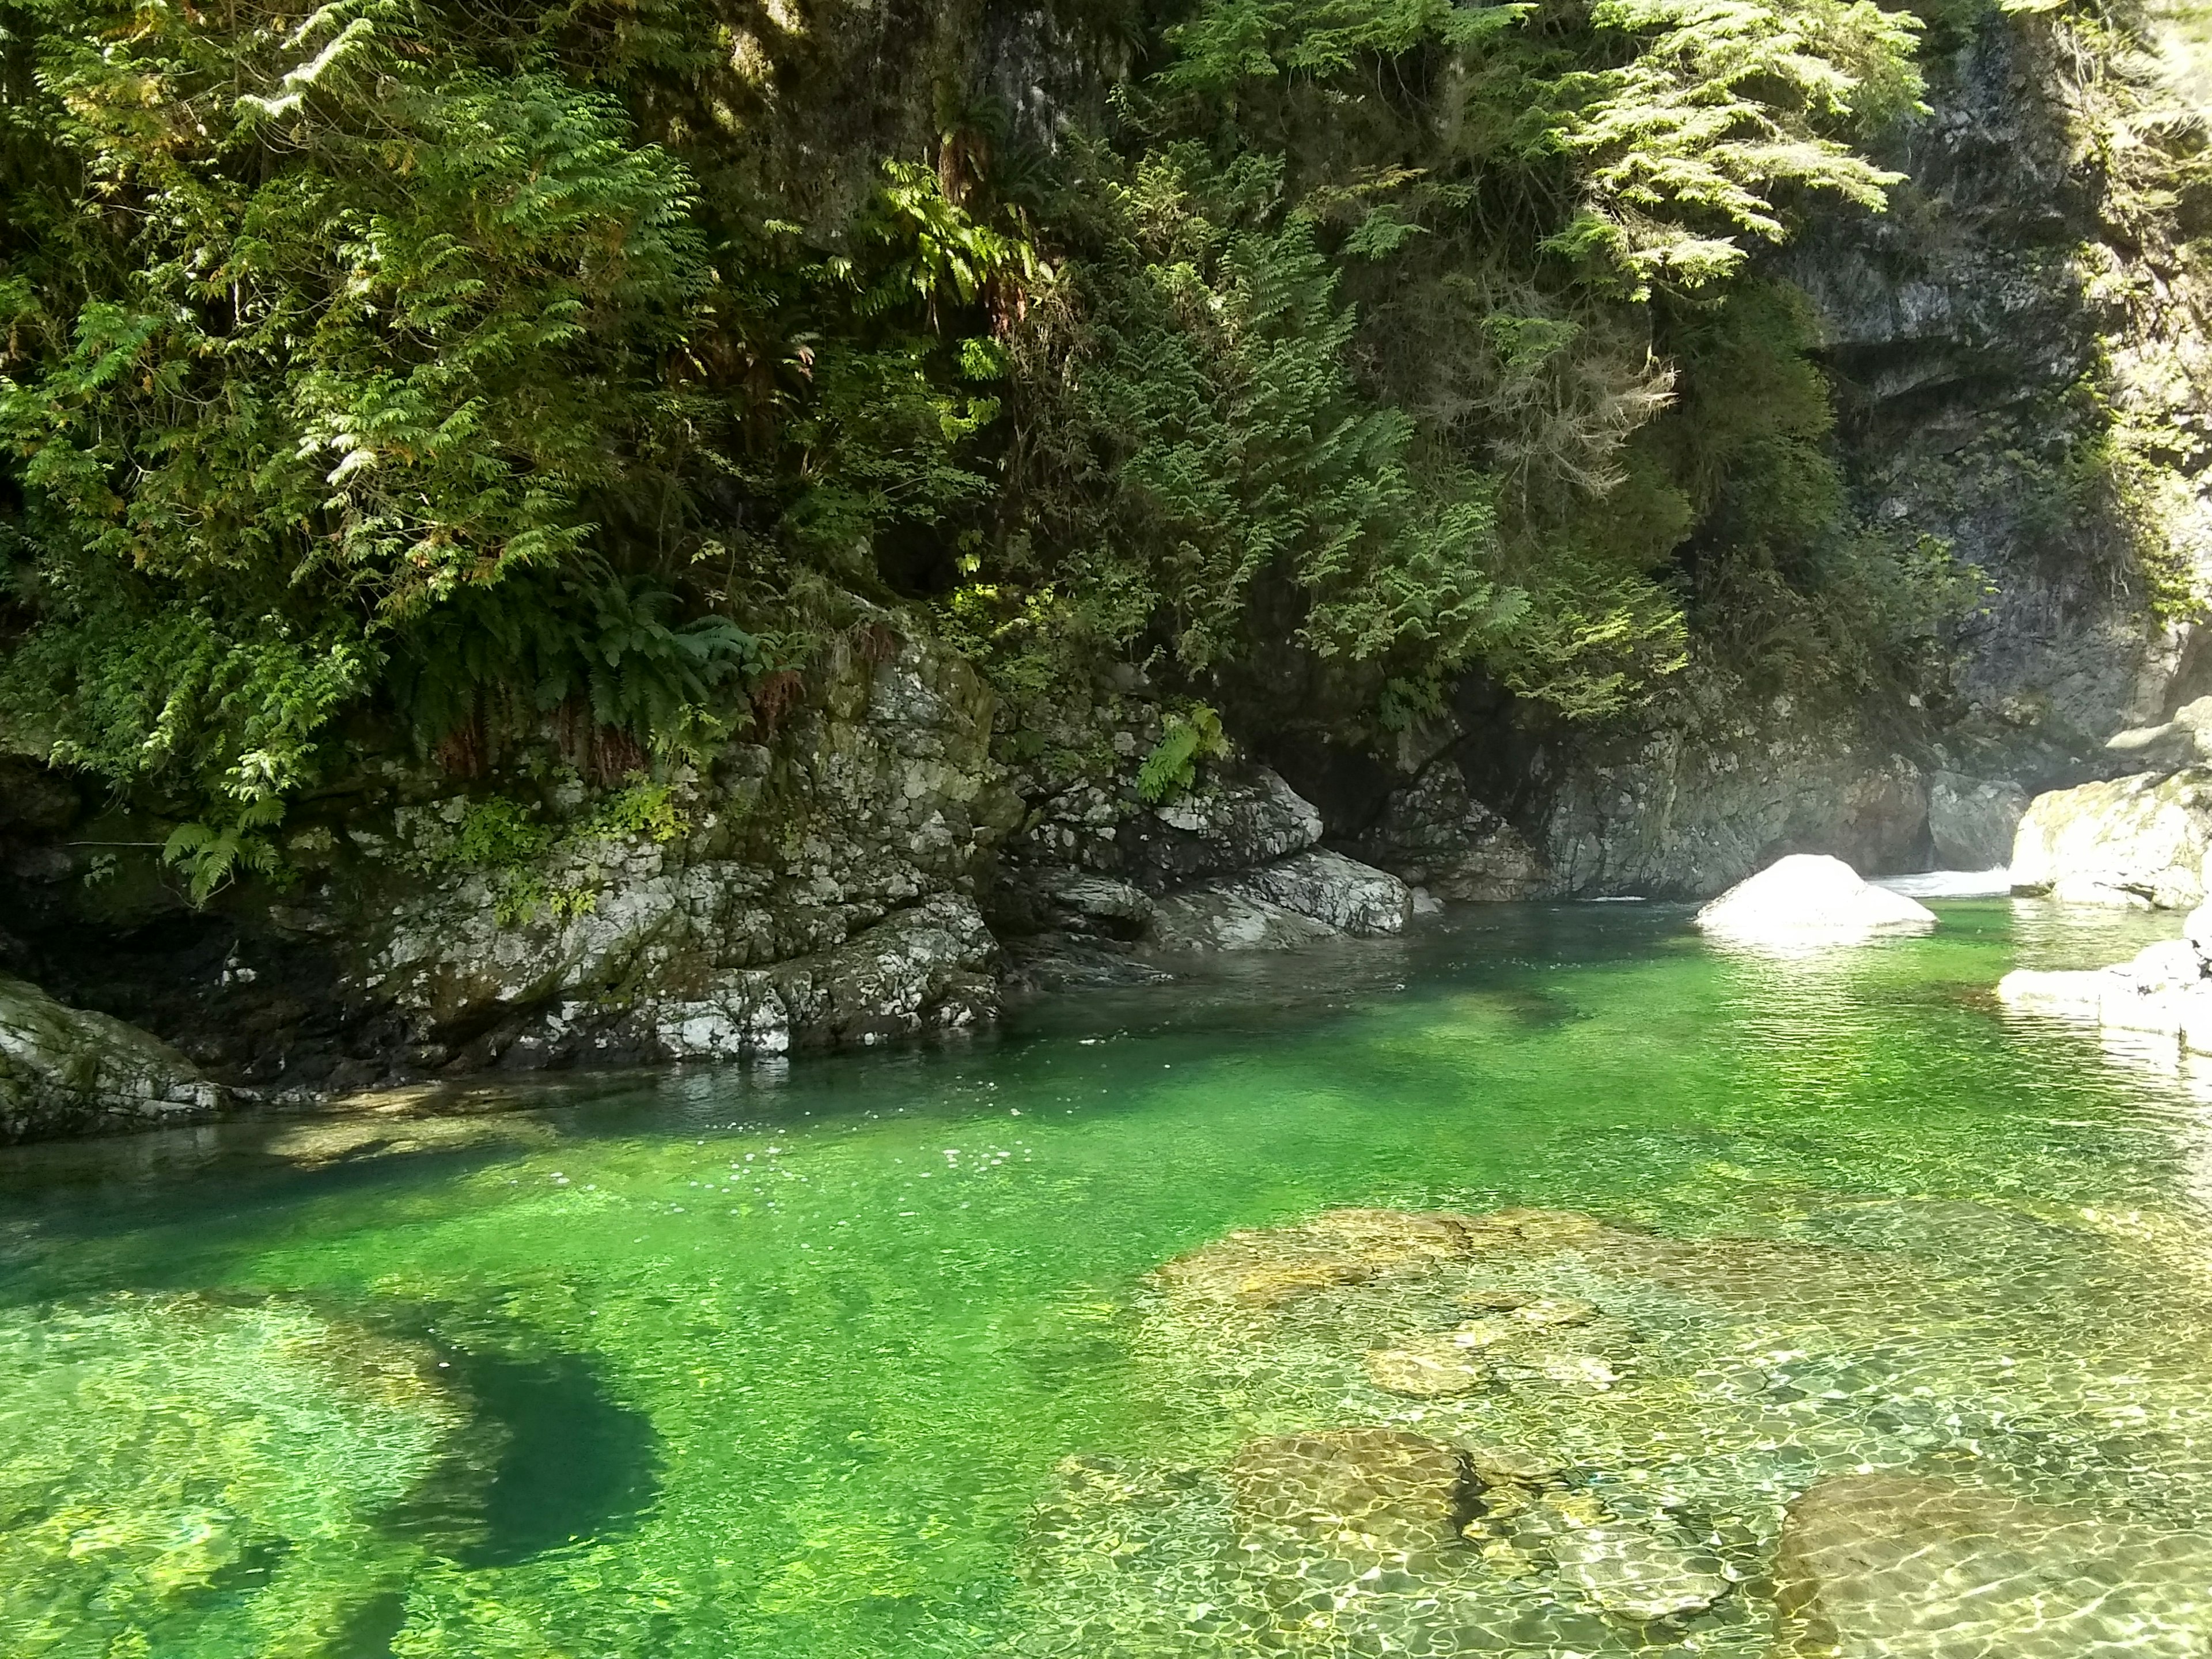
column 1290, row 902
column 1226, row 824
column 2137, row 840
column 819, row 894
column 1434, row 834
column 67, row 1070
column 2184, row 740
column 1971, row 821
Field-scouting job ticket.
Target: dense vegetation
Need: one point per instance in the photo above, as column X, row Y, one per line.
column 577, row 372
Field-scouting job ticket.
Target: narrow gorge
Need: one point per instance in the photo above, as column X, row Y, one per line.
column 1105, row 829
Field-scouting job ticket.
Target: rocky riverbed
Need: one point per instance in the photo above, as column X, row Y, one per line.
column 1537, row 1432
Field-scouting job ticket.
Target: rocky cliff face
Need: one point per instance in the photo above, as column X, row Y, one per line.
column 2020, row 353
column 852, row 876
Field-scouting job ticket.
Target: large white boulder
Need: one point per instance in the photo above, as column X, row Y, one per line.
column 1809, row 897
column 2163, row 990
column 2137, row 840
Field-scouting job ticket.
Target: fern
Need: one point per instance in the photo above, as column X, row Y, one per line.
column 1187, row 737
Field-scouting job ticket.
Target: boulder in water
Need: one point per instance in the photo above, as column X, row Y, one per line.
column 2162, row 989
column 1810, row 895
column 65, row 1070
column 1284, row 905
column 2138, row 842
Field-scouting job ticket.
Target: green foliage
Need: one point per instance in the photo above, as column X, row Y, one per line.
column 1722, row 104
column 1189, row 736
column 1241, row 451
column 492, row 379
column 536, row 868
column 598, row 641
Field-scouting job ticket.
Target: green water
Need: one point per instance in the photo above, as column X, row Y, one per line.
column 783, row 1363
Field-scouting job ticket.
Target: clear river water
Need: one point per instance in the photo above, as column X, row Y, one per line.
column 871, row 1355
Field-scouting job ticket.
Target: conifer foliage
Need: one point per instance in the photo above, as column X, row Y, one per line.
column 407, row 370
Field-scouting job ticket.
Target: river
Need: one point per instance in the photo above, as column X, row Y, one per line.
column 864, row 1356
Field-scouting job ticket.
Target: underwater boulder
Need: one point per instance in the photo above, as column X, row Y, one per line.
column 192, row 1473
column 1265, row 1268
column 1633, row 1571
column 1887, row 1566
column 1811, row 896
column 1382, row 1490
column 1427, row 1368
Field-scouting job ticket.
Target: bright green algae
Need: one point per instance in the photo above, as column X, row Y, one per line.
column 787, row 1364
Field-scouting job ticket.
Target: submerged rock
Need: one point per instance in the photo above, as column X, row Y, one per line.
column 2137, row 840
column 1810, row 895
column 1636, row 1573
column 65, row 1070
column 1888, row 1566
column 1379, row 1490
column 1515, row 1465
column 161, row 1454
column 1264, row 1268
column 1429, row 1368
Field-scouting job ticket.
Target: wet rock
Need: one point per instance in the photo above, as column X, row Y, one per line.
column 1431, row 1367
column 1809, row 896
column 925, row 969
column 1102, row 903
column 1229, row 917
column 1972, row 820
column 2162, row 990
column 1887, row 1566
column 1379, row 1490
column 66, row 1070
column 1229, row 824
column 2137, row 841
column 1285, row 905
column 1352, row 897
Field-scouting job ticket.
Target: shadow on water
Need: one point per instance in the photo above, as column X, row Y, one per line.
column 574, row 1465
column 552, row 1459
